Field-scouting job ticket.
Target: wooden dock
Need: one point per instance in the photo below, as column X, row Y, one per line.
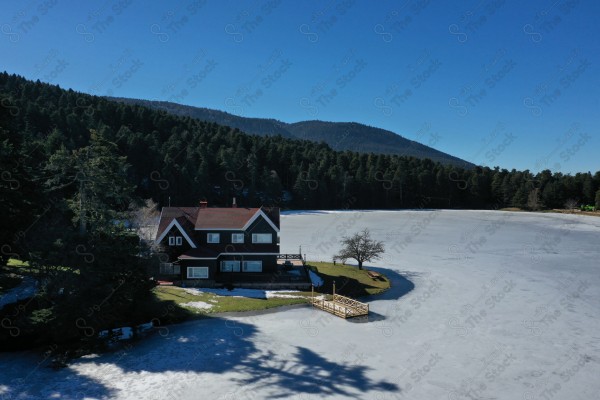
column 342, row 306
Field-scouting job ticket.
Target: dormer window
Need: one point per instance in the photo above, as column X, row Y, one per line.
column 175, row 240
column 237, row 238
column 213, row 238
column 262, row 238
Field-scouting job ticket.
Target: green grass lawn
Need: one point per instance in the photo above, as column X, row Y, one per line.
column 225, row 303
column 350, row 281
column 13, row 262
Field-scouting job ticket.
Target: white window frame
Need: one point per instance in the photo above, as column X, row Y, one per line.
column 236, row 236
column 175, row 240
column 252, row 269
column 192, row 275
column 210, row 238
column 231, row 269
column 256, row 237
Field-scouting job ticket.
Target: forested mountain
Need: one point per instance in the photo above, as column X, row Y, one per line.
column 186, row 159
column 74, row 166
column 367, row 139
column 253, row 126
column 338, row 135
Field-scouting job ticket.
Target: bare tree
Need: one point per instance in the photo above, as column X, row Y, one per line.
column 571, row 204
column 145, row 221
column 361, row 247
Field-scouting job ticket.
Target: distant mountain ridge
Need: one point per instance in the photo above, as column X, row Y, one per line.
column 341, row 136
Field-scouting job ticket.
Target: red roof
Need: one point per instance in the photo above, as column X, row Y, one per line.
column 224, row 218
column 191, row 218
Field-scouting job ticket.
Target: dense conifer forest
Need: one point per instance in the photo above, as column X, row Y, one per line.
column 75, row 166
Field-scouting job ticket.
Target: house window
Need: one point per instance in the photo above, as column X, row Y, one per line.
column 213, row 238
column 197, row 272
column 237, row 238
column 230, row 266
column 175, row 240
column 262, row 238
column 252, row 266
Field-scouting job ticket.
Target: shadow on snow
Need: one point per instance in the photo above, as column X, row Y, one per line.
column 209, row 346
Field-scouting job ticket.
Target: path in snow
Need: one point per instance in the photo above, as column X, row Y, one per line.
column 483, row 305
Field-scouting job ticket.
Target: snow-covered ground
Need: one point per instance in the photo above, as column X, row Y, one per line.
column 25, row 290
column 315, row 279
column 503, row 306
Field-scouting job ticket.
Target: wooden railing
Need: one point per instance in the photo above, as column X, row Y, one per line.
column 289, row 256
column 342, row 306
column 360, row 308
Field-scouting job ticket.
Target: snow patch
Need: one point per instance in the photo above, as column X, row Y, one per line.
column 249, row 293
column 199, row 304
column 25, row 290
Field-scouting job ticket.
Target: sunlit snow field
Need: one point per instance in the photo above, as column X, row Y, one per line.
column 484, row 305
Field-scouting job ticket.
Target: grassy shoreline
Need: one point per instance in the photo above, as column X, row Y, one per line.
column 349, row 280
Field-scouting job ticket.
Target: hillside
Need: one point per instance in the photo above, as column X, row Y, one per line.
column 338, row 135
column 367, row 139
column 180, row 160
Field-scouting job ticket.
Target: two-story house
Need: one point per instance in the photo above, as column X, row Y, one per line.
column 219, row 244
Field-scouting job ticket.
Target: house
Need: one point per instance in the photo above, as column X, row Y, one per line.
column 207, row 245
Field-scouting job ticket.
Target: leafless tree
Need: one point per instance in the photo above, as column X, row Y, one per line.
column 571, row 204
column 145, row 221
column 361, row 247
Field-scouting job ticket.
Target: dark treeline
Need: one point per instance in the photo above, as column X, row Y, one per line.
column 187, row 160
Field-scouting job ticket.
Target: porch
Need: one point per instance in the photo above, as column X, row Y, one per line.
column 289, row 273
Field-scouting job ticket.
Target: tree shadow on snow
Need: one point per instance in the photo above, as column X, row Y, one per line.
column 209, row 348
column 306, row 372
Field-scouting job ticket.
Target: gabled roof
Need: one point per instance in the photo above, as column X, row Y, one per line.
column 178, row 223
column 189, row 219
column 234, row 218
column 181, row 217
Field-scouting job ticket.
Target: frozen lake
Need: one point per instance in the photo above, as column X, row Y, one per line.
column 503, row 306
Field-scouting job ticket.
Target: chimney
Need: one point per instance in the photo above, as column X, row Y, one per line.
column 203, row 204
column 234, row 205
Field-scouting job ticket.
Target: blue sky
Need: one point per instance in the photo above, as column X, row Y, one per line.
column 498, row 83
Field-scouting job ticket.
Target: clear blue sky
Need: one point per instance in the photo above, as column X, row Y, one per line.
column 499, row 83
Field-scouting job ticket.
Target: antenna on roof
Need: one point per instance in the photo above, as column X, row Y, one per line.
column 169, row 201
column 234, row 205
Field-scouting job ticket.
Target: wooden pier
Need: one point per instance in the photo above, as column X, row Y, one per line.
column 341, row 306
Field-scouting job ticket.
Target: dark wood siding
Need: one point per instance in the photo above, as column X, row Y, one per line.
column 225, row 237
column 269, row 263
column 175, row 251
column 261, row 226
